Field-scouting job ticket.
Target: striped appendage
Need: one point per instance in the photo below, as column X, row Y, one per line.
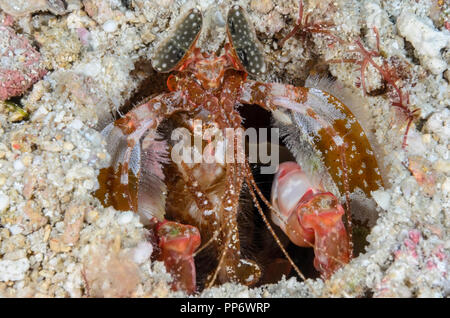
column 136, row 153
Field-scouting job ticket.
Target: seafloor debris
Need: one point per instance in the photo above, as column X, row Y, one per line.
column 20, row 64
column 423, row 173
column 103, row 12
column 427, row 41
column 16, row 113
column 21, row 8
column 55, row 56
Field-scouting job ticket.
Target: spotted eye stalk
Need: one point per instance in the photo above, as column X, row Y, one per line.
column 172, row 51
column 243, row 39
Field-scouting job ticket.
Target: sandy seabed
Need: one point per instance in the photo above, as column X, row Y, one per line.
column 55, row 236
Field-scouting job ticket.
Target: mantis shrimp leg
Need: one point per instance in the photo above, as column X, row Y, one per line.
column 339, row 160
column 136, row 152
column 133, row 134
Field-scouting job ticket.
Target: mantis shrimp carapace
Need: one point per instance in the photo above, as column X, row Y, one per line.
column 191, row 207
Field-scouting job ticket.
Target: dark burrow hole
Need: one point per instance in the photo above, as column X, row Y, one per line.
column 257, row 243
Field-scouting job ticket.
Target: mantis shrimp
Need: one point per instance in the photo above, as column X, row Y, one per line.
column 194, row 206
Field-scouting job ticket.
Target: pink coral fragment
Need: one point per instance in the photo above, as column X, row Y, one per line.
column 83, row 35
column 20, row 65
column 414, row 235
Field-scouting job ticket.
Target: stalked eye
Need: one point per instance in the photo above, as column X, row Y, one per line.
column 243, row 39
column 184, row 36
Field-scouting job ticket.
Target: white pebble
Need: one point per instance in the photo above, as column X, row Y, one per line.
column 91, row 69
column 382, row 198
column 142, row 252
column 445, row 187
column 88, row 184
column 14, row 229
column 76, row 124
column 4, row 202
column 18, row 165
column 59, row 117
column 37, row 160
column 220, row 21
column 13, row 270
column 39, row 114
column 125, row 217
column 110, row 26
